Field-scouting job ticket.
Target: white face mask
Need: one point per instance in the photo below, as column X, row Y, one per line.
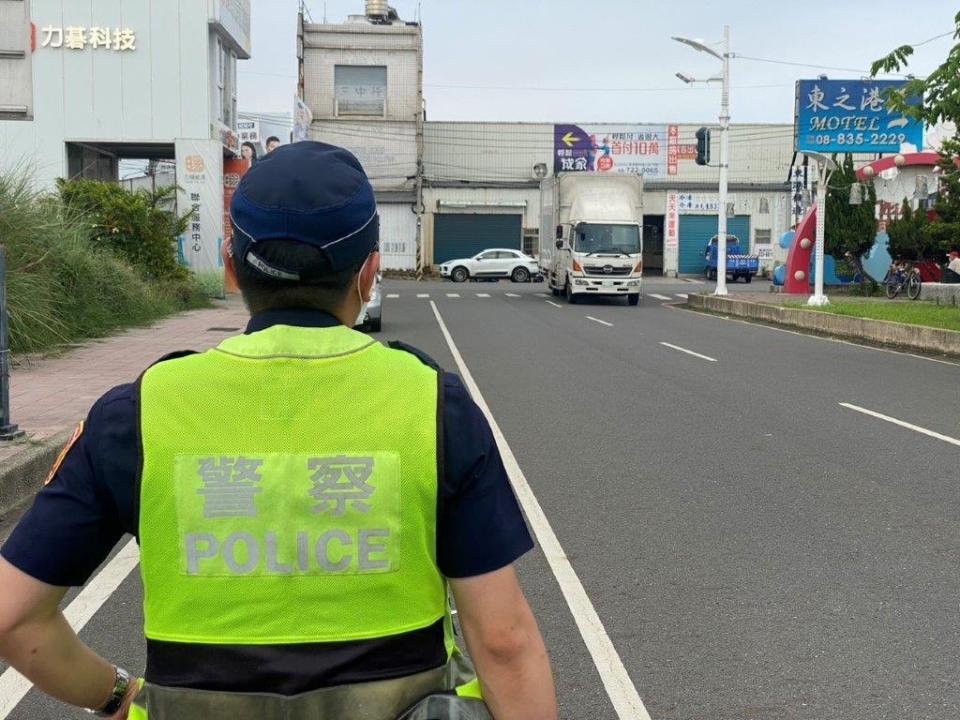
column 363, row 303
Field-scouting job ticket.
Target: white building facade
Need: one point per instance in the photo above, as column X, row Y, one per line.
column 362, row 80
column 85, row 83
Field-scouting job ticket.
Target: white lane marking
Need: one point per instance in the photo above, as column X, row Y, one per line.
column 556, row 305
column 598, row 320
column 390, row 296
column 13, row 685
column 726, row 318
column 544, row 295
column 512, row 295
column 682, row 295
column 626, row 701
column 688, row 352
column 483, row 294
column 453, row 295
column 658, row 297
column 901, row 423
column 423, row 295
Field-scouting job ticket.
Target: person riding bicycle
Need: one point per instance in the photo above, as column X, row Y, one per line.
column 303, row 498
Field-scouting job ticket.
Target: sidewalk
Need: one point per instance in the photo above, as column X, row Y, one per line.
column 50, row 396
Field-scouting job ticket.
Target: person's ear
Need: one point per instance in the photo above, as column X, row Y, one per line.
column 368, row 275
column 226, row 254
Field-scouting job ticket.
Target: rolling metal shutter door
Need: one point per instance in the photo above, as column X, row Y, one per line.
column 398, row 236
column 695, row 233
column 464, row 235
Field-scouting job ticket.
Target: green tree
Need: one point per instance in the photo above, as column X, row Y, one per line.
column 137, row 226
column 909, row 235
column 941, row 103
column 849, row 230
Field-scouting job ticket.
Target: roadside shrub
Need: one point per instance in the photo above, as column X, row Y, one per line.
column 135, row 225
column 61, row 287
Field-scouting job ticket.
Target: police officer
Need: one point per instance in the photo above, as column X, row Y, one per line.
column 303, row 498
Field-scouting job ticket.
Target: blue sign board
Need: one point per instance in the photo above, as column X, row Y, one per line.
column 843, row 116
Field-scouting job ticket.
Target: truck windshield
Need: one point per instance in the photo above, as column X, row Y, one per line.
column 596, row 238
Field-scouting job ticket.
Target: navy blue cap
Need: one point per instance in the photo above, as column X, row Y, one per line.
column 310, row 192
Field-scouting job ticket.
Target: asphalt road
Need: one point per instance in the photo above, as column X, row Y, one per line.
column 753, row 549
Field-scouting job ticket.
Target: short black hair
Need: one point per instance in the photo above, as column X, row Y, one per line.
column 325, row 290
column 272, row 138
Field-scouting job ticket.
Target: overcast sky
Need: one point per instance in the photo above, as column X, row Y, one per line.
column 612, row 60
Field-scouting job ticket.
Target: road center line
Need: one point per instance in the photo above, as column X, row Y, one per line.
column 626, row 701
column 453, row 295
column 551, row 302
column 689, row 352
column 512, row 295
column 13, row 685
column 901, row 423
column 390, row 296
column 658, row 296
column 423, row 295
column 483, row 295
column 597, row 320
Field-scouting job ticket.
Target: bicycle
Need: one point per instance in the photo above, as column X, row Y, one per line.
column 902, row 277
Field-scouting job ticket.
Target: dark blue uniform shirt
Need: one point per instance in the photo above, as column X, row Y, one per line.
column 77, row 518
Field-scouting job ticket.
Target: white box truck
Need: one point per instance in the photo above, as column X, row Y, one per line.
column 591, row 235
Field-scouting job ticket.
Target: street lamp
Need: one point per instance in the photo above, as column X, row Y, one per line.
column 724, row 78
column 827, row 165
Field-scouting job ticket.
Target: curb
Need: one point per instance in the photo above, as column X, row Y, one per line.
column 882, row 332
column 22, row 475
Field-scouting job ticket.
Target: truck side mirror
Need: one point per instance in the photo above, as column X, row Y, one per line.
column 559, row 244
column 559, row 232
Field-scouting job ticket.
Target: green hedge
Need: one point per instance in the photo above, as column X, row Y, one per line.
column 64, row 283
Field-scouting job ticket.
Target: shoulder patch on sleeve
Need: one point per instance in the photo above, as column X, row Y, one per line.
column 419, row 354
column 63, row 453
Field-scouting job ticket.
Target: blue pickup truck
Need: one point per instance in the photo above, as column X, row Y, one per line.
column 739, row 265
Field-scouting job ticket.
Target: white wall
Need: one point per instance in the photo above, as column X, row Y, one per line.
column 156, row 93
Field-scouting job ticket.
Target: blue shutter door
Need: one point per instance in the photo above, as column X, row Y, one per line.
column 464, row 235
column 695, row 233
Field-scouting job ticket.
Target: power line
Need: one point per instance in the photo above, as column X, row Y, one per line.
column 542, row 88
column 807, row 65
column 935, row 37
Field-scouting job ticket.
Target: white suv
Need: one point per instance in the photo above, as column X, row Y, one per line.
column 495, row 263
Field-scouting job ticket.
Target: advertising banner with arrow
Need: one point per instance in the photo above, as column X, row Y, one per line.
column 637, row 149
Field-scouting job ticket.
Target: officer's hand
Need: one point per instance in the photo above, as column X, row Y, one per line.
column 132, row 692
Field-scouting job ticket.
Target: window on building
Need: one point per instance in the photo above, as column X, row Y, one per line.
column 226, row 85
column 531, row 238
column 360, row 90
column 761, row 237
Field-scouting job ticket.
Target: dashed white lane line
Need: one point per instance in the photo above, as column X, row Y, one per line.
column 598, row 320
column 689, row 352
column 556, row 305
column 620, row 688
column 901, row 423
column 453, row 295
column 546, row 295
column 423, row 295
column 683, row 295
column 483, row 295
column 512, row 295
column 392, row 296
column 658, row 297
column 13, row 685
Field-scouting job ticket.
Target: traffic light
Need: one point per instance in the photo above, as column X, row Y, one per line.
column 703, row 146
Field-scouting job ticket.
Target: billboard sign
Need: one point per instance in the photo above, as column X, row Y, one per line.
column 843, row 116
column 634, row 149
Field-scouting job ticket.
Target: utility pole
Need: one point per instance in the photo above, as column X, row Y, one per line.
column 724, row 167
column 724, row 79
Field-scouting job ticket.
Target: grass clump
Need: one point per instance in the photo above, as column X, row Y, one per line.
column 64, row 286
